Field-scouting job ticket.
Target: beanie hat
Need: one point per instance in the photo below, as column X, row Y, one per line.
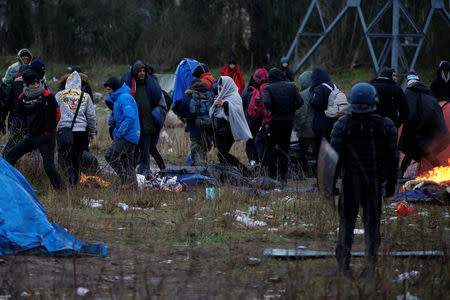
column 284, row 60
column 39, row 67
column 200, row 70
column 386, row 72
column 30, row 76
column 260, row 76
column 113, row 83
column 412, row 76
column 232, row 61
column 76, row 68
column 363, row 93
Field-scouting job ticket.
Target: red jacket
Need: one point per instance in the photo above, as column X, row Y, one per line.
column 236, row 75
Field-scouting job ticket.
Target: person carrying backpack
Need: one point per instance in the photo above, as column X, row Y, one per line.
column 194, row 107
column 320, row 91
column 252, row 101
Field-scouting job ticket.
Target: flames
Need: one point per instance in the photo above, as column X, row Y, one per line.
column 438, row 174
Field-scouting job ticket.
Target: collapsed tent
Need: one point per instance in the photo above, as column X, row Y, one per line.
column 183, row 77
column 24, row 227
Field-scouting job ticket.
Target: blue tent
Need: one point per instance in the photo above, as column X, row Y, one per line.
column 183, row 77
column 24, row 227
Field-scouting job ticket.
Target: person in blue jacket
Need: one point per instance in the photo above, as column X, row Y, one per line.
column 126, row 134
column 321, row 124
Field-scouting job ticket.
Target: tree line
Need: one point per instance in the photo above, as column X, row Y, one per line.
column 254, row 32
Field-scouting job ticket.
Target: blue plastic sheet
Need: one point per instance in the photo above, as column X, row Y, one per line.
column 24, row 227
column 413, row 196
column 183, row 77
column 195, row 179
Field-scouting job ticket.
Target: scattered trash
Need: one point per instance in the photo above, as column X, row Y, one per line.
column 393, row 218
column 168, row 262
column 355, row 231
column 446, row 229
column 253, row 261
column 252, row 211
column 92, row 202
column 274, row 279
column 407, row 296
column 189, row 199
column 25, row 294
column 165, row 183
column 247, row 221
column 299, row 253
column 301, row 247
column 411, row 225
column 125, row 207
column 170, row 150
column 403, row 209
column 445, row 214
column 164, row 205
column 93, row 181
column 4, row 297
column 140, row 181
column 210, row 193
column 166, row 136
column 408, row 275
column 423, row 213
column 81, row 291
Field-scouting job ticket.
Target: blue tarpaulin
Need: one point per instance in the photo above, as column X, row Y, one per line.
column 24, row 227
column 183, row 77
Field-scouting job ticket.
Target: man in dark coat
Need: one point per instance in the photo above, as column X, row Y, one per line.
column 11, row 108
column 152, row 111
column 425, row 133
column 391, row 99
column 440, row 87
column 282, row 99
column 367, row 148
column 319, row 94
column 41, row 114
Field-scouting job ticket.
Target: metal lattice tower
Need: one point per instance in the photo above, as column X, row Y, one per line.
column 392, row 46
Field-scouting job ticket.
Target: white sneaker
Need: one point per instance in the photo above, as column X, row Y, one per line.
column 252, row 163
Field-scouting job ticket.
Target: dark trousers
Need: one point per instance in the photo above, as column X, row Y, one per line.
column 365, row 191
column 223, row 140
column 46, row 146
column 120, row 156
column 69, row 157
column 250, row 147
column 304, row 145
column 260, row 141
column 16, row 128
column 318, row 135
column 276, row 156
column 145, row 147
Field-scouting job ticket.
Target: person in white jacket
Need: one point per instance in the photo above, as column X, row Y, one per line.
column 83, row 126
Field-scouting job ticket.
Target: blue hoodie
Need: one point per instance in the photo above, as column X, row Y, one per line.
column 125, row 115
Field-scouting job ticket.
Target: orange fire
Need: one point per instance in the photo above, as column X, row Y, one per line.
column 438, row 174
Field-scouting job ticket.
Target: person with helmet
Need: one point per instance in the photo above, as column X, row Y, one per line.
column 367, row 146
column 284, row 66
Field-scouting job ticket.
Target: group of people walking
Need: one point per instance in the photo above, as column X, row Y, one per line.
column 220, row 111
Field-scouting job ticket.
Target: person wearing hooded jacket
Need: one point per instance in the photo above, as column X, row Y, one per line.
column 425, row 133
column 319, row 94
column 391, row 99
column 202, row 72
column 10, row 107
column 41, row 114
column 24, row 57
column 192, row 106
column 367, row 146
column 303, row 118
column 282, row 98
column 84, row 126
column 152, row 110
column 257, row 84
column 440, row 87
column 85, row 81
column 284, row 66
column 229, row 123
column 232, row 70
column 126, row 133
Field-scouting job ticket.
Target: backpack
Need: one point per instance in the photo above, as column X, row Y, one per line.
column 200, row 107
column 336, row 102
column 255, row 106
